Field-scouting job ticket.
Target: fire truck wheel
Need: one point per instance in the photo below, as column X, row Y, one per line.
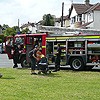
column 24, row 63
column 77, row 64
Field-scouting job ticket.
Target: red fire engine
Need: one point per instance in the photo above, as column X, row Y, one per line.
column 80, row 51
column 27, row 42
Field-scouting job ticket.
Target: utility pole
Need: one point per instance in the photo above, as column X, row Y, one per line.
column 62, row 14
column 18, row 27
column 18, row 23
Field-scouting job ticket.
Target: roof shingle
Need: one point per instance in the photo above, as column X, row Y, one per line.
column 81, row 8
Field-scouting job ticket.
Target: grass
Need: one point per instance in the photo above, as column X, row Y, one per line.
column 18, row 84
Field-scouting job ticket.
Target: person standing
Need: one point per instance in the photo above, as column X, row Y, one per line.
column 16, row 55
column 57, row 58
column 33, row 57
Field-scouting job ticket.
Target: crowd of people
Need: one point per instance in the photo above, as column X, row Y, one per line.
column 36, row 55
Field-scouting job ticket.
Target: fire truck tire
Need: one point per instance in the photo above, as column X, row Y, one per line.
column 77, row 64
column 24, row 63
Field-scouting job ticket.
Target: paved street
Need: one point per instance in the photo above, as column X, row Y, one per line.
column 6, row 63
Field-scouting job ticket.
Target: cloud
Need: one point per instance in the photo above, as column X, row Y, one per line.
column 29, row 10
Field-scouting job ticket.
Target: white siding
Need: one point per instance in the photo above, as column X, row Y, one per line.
column 92, row 16
column 73, row 18
column 97, row 19
column 32, row 29
column 83, row 18
column 89, row 17
column 73, row 13
column 86, row 18
column 90, row 26
column 58, row 24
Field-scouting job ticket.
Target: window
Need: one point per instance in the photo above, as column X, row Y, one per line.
column 73, row 19
column 80, row 18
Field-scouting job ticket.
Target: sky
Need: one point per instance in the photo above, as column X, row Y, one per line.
column 32, row 10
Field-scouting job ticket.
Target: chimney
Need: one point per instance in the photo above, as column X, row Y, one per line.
column 87, row 2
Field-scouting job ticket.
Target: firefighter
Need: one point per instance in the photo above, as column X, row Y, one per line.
column 57, row 58
column 16, row 54
column 33, row 57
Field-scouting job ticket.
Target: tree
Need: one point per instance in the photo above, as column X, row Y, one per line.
column 26, row 30
column 5, row 26
column 16, row 28
column 48, row 20
column 9, row 31
column 1, row 38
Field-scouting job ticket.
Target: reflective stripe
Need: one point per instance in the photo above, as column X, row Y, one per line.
column 24, row 46
column 50, row 38
column 69, row 37
column 43, row 46
column 92, row 37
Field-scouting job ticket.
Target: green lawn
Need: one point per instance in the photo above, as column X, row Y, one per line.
column 18, row 84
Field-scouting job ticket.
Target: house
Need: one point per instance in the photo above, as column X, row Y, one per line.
column 85, row 15
column 30, row 26
column 92, row 17
column 57, row 22
column 66, row 21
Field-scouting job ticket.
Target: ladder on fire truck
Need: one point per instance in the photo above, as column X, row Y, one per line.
column 67, row 31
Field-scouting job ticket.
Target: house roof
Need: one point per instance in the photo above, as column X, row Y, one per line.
column 81, row 8
column 94, row 7
column 28, row 24
column 64, row 18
